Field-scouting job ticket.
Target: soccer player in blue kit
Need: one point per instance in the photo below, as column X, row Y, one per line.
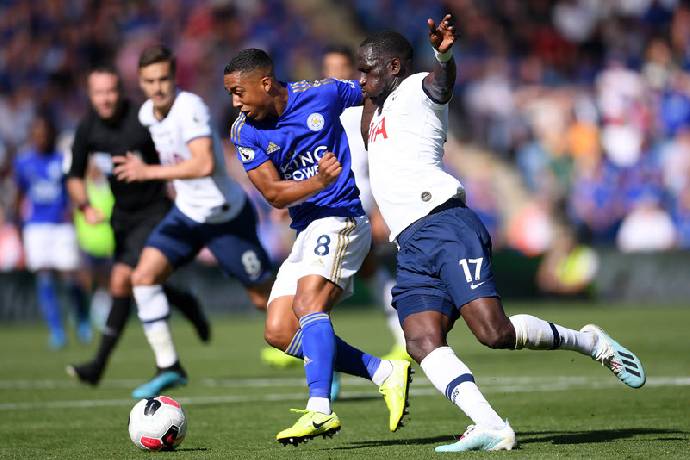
column 50, row 243
column 444, row 257
column 291, row 142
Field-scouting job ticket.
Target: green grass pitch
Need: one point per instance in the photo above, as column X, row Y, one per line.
column 562, row 405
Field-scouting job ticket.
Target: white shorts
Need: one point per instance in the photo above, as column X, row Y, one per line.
column 51, row 246
column 333, row 247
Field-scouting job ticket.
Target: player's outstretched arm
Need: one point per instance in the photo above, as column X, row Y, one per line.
column 285, row 193
column 132, row 168
column 438, row 85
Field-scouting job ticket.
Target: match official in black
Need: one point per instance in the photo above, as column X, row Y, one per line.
column 112, row 128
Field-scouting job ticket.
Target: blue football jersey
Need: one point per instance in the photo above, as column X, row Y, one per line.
column 41, row 179
column 295, row 142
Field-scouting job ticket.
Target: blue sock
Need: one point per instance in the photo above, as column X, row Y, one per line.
column 348, row 359
column 318, row 342
column 354, row 361
column 47, row 300
column 81, row 307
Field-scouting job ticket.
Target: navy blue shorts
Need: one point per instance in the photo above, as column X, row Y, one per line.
column 444, row 262
column 234, row 243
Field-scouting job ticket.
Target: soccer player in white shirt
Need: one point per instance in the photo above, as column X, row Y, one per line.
column 339, row 62
column 444, row 258
column 211, row 210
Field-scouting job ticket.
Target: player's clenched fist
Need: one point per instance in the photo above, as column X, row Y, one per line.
column 329, row 169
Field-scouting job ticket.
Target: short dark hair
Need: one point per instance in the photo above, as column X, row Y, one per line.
column 44, row 116
column 342, row 50
column 389, row 43
column 154, row 54
column 107, row 69
column 248, row 60
column 103, row 68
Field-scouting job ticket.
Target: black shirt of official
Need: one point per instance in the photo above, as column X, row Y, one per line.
column 103, row 139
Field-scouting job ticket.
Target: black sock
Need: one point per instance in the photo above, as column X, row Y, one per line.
column 114, row 325
column 175, row 367
column 186, row 303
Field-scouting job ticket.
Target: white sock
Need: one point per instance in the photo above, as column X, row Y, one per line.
column 319, row 404
column 384, row 370
column 453, row 378
column 537, row 334
column 380, row 286
column 160, row 339
column 153, row 311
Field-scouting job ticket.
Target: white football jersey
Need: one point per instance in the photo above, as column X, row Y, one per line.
column 351, row 119
column 405, row 156
column 215, row 198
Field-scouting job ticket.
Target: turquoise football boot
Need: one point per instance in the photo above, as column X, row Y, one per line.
column 162, row 381
column 621, row 361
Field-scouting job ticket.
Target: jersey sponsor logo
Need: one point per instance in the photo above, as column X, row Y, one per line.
column 246, row 154
column 315, row 121
column 272, row 147
column 378, row 129
column 303, row 165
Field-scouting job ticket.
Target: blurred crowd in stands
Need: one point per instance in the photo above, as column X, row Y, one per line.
column 587, row 102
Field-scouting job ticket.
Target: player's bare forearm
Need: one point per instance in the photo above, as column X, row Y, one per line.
column 188, row 169
column 199, row 165
column 283, row 193
column 438, row 85
column 131, row 168
column 76, row 188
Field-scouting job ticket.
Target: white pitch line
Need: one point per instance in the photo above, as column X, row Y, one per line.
column 286, row 382
column 564, row 384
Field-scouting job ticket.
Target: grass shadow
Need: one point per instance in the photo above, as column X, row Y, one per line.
column 555, row 437
column 396, row 442
column 594, row 436
column 191, row 449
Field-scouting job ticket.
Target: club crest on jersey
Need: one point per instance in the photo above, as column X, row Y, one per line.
column 315, row 121
column 246, row 154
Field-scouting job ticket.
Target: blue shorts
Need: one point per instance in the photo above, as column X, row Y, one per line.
column 444, row 262
column 234, row 243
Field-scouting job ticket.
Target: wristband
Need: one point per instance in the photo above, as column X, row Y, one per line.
column 82, row 207
column 443, row 57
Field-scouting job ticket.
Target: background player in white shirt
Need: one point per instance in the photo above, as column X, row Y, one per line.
column 210, row 210
column 339, row 62
column 444, row 258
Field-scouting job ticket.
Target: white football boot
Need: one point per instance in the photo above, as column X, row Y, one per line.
column 479, row 438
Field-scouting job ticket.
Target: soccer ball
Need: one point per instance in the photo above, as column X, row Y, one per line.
column 157, row 423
